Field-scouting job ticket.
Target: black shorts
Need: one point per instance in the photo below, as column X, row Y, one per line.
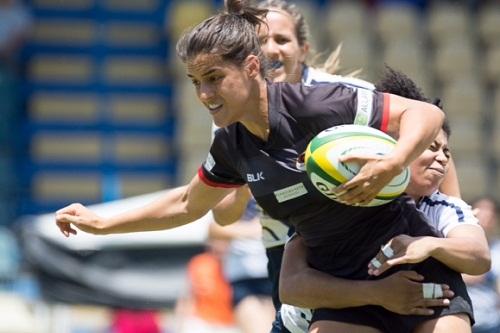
column 353, row 265
column 251, row 287
column 278, row 325
column 386, row 321
column 275, row 256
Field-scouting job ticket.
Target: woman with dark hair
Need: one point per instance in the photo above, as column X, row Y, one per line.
column 284, row 40
column 265, row 127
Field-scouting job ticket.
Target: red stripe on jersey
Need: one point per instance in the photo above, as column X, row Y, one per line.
column 385, row 114
column 214, row 184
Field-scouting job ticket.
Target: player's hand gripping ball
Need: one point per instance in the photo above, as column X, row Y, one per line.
column 327, row 172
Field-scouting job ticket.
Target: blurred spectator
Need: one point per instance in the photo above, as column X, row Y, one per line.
column 14, row 27
column 245, row 267
column 484, row 290
column 207, row 308
column 15, row 23
column 129, row 321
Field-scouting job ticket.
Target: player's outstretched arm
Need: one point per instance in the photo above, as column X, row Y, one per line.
column 401, row 292
column 177, row 207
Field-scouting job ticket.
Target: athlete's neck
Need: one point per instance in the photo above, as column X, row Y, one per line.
column 256, row 120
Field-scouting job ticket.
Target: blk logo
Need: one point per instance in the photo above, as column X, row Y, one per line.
column 252, row 178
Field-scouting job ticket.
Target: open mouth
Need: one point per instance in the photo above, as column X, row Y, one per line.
column 213, row 107
column 276, row 64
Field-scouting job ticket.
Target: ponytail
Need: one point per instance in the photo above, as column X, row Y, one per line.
column 251, row 14
column 230, row 35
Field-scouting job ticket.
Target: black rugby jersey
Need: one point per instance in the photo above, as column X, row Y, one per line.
column 296, row 114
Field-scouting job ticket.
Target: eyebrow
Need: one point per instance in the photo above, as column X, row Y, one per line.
column 204, row 74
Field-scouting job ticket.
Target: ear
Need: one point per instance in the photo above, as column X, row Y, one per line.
column 304, row 52
column 252, row 66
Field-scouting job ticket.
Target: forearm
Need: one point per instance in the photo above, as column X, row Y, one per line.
column 416, row 127
column 464, row 254
column 167, row 212
column 317, row 289
column 321, row 290
column 306, row 287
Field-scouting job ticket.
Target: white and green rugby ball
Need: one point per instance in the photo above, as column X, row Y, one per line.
column 327, row 172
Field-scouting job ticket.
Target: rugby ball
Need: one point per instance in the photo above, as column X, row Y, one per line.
column 326, row 172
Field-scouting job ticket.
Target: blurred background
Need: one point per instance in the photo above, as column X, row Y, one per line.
column 94, row 107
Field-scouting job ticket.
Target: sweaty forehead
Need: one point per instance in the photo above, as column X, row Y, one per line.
column 202, row 63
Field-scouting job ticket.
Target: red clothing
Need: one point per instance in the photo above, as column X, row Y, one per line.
column 129, row 321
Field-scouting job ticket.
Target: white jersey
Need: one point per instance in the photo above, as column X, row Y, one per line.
column 445, row 213
column 245, row 259
column 442, row 212
column 312, row 76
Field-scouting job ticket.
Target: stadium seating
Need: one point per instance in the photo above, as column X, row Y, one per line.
column 185, row 14
column 410, row 58
column 397, row 21
column 52, row 107
column 61, row 188
column 454, row 58
column 464, row 104
column 86, row 70
column 345, row 19
column 496, row 126
column 317, row 36
column 464, row 98
column 447, row 20
column 358, row 53
column 74, row 5
column 66, row 69
column 488, row 27
column 64, row 31
column 472, row 171
column 491, row 65
column 99, row 100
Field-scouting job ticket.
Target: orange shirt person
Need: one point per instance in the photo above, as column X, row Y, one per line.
column 211, row 292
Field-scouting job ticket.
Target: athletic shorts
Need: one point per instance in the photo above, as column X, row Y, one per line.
column 251, row 287
column 278, row 326
column 386, row 321
column 275, row 256
column 353, row 265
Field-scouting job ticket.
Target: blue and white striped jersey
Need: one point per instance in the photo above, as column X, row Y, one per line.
column 445, row 213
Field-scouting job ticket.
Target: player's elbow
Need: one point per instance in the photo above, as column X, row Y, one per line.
column 225, row 217
column 482, row 263
column 194, row 212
